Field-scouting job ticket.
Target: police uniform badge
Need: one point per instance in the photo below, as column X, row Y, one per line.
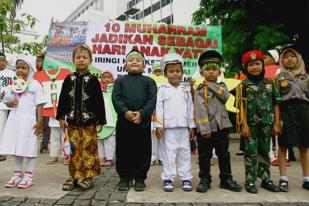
column 283, row 83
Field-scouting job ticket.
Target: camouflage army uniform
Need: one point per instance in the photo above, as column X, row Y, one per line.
column 259, row 97
column 294, row 109
column 212, row 118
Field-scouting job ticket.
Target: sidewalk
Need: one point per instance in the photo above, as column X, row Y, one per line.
column 48, row 179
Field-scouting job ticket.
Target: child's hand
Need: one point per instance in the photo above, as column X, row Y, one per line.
column 206, row 136
column 98, row 128
column 38, row 127
column 138, row 118
column 13, row 103
column 191, row 81
column 63, row 125
column 245, row 132
column 277, row 129
column 159, row 133
column 129, row 116
column 191, row 133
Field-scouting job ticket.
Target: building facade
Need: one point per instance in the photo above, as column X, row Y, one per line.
column 168, row 11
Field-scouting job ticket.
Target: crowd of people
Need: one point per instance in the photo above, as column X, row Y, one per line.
column 136, row 121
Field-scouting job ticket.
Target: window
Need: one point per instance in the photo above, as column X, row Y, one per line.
column 156, row 6
column 165, row 2
column 147, row 11
column 168, row 20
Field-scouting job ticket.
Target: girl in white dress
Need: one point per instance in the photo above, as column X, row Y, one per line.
column 26, row 99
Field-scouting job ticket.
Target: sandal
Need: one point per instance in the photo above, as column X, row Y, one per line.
column 2, row 158
column 69, row 185
column 86, row 184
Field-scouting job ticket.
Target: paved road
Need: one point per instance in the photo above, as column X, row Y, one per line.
column 48, row 178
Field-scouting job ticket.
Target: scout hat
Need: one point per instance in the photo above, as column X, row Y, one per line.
column 171, row 58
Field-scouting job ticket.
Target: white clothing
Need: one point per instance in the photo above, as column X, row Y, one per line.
column 106, row 147
column 174, row 112
column 3, row 118
column 176, row 154
column 174, row 107
column 155, row 148
column 56, row 137
column 18, row 137
column 19, row 164
column 6, row 76
column 56, row 141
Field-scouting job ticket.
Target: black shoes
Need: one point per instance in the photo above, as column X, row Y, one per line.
column 283, row 185
column 139, row 185
column 123, row 185
column 203, row 186
column 231, row 185
column 269, row 185
column 306, row 185
column 250, row 187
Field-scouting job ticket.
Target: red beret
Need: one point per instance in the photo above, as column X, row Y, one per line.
column 251, row 56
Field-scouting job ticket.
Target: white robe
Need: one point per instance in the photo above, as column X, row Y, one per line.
column 18, row 137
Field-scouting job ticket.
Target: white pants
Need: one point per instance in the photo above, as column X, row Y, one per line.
column 3, row 118
column 176, row 154
column 155, row 148
column 106, row 147
column 56, row 141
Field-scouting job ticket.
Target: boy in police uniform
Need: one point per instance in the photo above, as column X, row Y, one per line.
column 213, row 123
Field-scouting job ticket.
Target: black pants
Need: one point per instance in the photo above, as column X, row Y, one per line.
column 133, row 151
column 220, row 141
column 46, row 133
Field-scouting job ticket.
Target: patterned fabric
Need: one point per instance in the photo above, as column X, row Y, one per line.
column 257, row 160
column 260, row 96
column 85, row 162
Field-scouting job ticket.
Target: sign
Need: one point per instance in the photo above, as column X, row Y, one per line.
column 111, row 40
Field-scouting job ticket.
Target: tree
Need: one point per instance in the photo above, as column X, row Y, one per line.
column 11, row 26
column 255, row 24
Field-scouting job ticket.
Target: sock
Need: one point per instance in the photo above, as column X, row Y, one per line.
column 19, row 163
column 30, row 164
column 284, row 178
column 306, row 178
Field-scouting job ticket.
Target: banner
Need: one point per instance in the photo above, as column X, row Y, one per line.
column 111, row 40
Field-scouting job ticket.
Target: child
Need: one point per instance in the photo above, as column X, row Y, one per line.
column 26, row 100
column 81, row 112
column 6, row 76
column 157, row 76
column 293, row 84
column 134, row 99
column 259, row 115
column 106, row 138
column 213, row 123
column 175, row 124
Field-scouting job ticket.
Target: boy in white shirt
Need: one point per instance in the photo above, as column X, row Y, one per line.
column 175, row 124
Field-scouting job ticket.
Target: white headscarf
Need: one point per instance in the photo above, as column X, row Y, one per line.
column 31, row 68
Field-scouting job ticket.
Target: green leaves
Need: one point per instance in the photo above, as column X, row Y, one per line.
column 11, row 26
column 246, row 25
